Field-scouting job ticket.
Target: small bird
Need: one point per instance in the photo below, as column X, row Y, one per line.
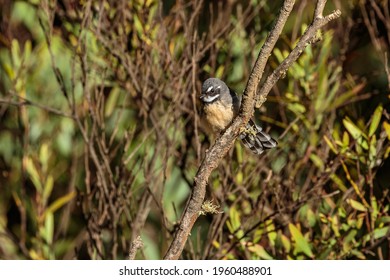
column 220, row 105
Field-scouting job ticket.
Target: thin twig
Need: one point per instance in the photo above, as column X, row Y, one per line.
column 27, row 102
column 135, row 246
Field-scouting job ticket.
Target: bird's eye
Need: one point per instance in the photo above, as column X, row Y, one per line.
column 212, row 90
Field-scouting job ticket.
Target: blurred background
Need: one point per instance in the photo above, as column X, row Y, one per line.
column 100, row 136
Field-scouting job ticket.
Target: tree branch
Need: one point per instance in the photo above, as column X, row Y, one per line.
column 135, row 246
column 27, row 102
column 307, row 38
column 225, row 142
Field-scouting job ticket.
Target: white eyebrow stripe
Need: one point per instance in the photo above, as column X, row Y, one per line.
column 209, row 99
column 210, row 88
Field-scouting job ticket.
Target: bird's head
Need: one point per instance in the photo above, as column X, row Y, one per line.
column 212, row 90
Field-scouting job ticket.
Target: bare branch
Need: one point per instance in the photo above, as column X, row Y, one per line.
column 307, row 38
column 387, row 70
column 319, row 10
column 27, row 102
column 135, row 246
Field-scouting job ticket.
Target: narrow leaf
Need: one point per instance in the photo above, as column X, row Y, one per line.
column 57, row 204
column 356, row 205
column 301, row 244
column 330, row 144
column 260, row 251
column 386, row 127
column 376, row 118
column 355, row 131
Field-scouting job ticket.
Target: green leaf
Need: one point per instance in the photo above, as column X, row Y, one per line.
column 374, row 209
column 257, row 235
column 356, row 205
column 15, row 52
column 377, row 234
column 355, row 131
column 301, row 244
column 381, row 232
column 297, row 71
column 335, row 225
column 296, row 108
column 376, row 118
column 34, row 175
column 260, row 251
column 286, row 243
column 358, row 254
column 386, row 127
column 111, row 101
column 278, row 54
column 239, row 178
column 345, row 139
column 220, row 71
column 44, row 155
column 349, row 238
column 317, row 161
column 372, row 151
column 384, row 220
column 330, row 144
column 58, row 203
column 272, row 235
column 234, row 223
column 49, row 227
column 336, row 179
column 311, row 218
column 48, row 188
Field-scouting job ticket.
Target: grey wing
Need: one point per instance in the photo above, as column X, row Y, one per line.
column 256, row 139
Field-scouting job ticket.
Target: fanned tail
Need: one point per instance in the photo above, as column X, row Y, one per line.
column 256, row 139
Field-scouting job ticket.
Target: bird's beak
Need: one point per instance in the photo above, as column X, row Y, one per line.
column 202, row 96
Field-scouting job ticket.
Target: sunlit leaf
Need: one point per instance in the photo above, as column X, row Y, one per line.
column 358, row 254
column 337, row 180
column 111, row 102
column 335, row 225
column 15, row 51
column 286, row 243
column 234, row 222
column 355, row 131
column 356, row 205
column 60, row 202
column 260, row 251
column 317, row 161
column 49, row 228
column 330, row 144
column 386, row 127
column 272, row 235
column 44, row 155
column 34, row 175
column 47, row 188
column 301, row 244
column 376, row 118
column 258, row 235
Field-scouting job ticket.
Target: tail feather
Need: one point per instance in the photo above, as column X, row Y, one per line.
column 256, row 139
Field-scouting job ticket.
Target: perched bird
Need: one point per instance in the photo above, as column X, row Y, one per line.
column 220, row 105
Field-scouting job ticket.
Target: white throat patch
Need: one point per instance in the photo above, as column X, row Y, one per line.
column 209, row 99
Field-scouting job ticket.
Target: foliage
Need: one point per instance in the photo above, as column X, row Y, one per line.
column 100, row 135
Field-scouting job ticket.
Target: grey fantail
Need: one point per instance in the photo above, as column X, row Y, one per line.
column 220, row 105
